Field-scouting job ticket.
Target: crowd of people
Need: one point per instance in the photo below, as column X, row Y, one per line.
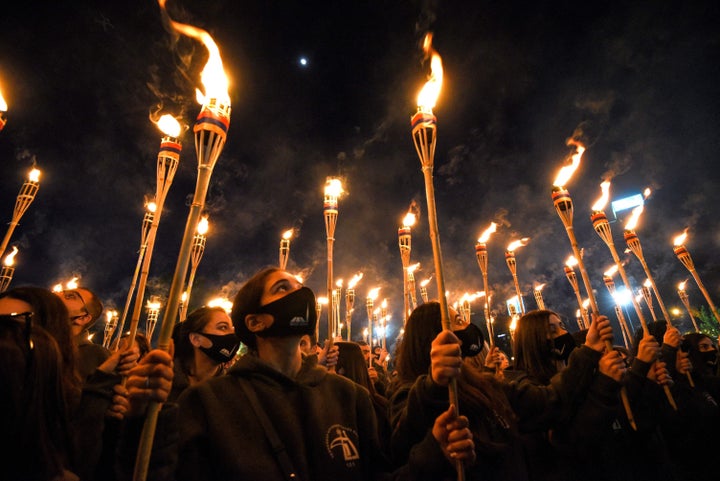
column 447, row 404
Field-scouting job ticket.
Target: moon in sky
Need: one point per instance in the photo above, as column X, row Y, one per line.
column 303, row 61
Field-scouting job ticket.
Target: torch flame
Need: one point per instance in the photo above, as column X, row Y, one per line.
column 339, row 283
column 409, row 220
column 322, row 301
column 213, row 75
column 600, row 204
column 384, row 304
column 299, row 278
column 355, row 279
column 3, row 103
column 571, row 261
column 57, row 288
column 373, row 293
column 151, row 206
column 539, row 287
column 287, row 235
column 10, row 258
column 72, row 283
column 203, row 226
column 680, row 240
column 611, row 272
column 567, row 171
column 647, row 192
column 518, row 243
column 431, row 90
column 222, row 302
column 425, row 282
column 634, row 217
column 681, row 286
column 413, row 268
column 34, row 175
column 183, row 298
column 586, row 303
column 485, row 236
column 153, row 305
column 333, row 187
column 647, row 283
column 169, row 125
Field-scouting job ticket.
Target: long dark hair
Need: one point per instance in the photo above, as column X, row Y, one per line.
column 247, row 301
column 530, row 346
column 49, row 311
column 481, row 396
column 194, row 322
column 352, row 364
column 34, row 419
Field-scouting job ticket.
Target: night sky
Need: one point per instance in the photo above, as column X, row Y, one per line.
column 635, row 81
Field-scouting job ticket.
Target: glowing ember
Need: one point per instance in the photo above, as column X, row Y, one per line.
column 485, row 236
column 10, row 258
column 355, row 279
column 518, row 243
column 571, row 261
column 680, row 240
column 213, row 75
column 372, row 295
column 567, row 171
column 431, row 90
column 333, row 187
column 287, row 235
column 169, row 125
column 409, row 220
column 600, row 204
column 203, row 226
column 34, row 176
column 611, row 272
column 634, row 217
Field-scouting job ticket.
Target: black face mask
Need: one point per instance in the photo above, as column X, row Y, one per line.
column 562, row 346
column 294, row 315
column 709, row 358
column 472, row 340
column 223, row 347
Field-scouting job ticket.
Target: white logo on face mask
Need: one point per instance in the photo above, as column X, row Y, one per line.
column 298, row 321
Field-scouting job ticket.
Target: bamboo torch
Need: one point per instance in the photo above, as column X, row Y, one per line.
column 8, row 269
column 333, row 190
column 682, row 293
column 350, row 302
column 602, row 227
column 153, row 312
column 27, row 194
column 412, row 286
column 210, row 130
column 647, row 297
column 684, row 256
column 423, row 289
column 111, row 322
column 570, row 263
column 424, row 133
column 150, row 208
column 481, row 253
column 369, row 306
column 405, row 244
column 538, row 296
column 337, row 295
column 285, row 248
column 610, row 284
column 197, row 250
column 512, row 265
column 167, row 163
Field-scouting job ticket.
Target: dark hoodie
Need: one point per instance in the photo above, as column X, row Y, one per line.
column 326, row 422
